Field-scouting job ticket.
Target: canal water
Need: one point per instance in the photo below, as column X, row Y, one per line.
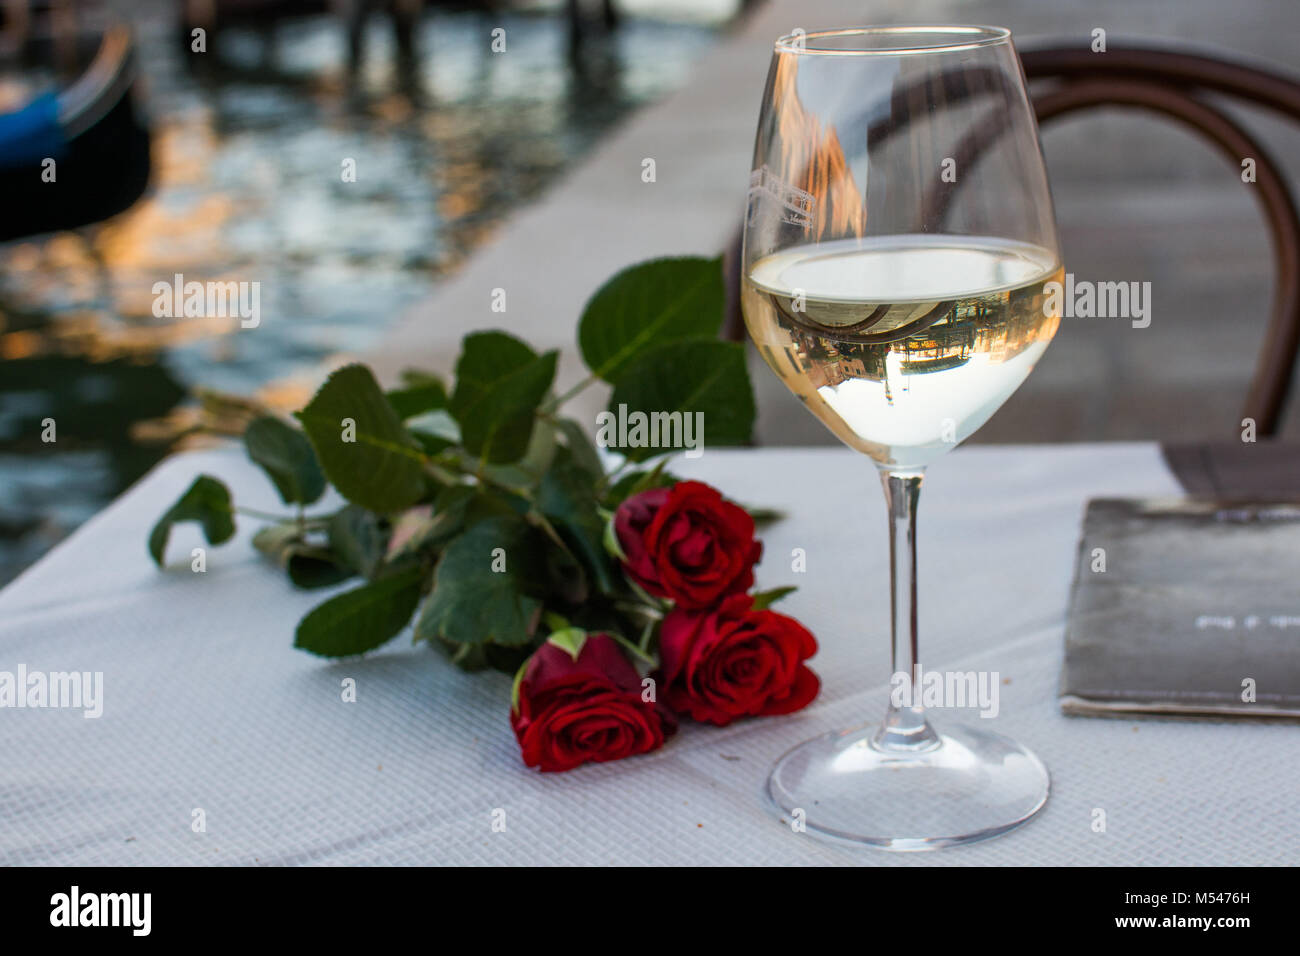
column 248, row 148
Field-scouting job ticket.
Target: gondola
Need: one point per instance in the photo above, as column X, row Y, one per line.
column 91, row 127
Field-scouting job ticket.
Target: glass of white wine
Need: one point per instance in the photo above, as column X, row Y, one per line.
column 899, row 236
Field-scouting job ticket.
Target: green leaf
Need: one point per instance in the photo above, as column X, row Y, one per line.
column 765, row 599
column 555, row 622
column 435, row 430
column 314, row 568
column 567, row 496
column 357, row 538
column 584, row 452
column 689, row 377
column 528, row 471
column 207, row 501
column 570, row 640
column 419, row 395
column 500, row 382
column 308, row 565
column 471, row 602
column 381, row 467
column 360, row 620
column 646, row 305
column 415, row 377
column 764, row 516
column 287, row 457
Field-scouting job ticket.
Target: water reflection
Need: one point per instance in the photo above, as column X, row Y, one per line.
column 909, row 340
column 247, row 187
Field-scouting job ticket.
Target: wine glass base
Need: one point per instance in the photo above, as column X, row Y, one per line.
column 972, row 786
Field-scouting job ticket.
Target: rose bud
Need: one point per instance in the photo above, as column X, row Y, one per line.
column 735, row 661
column 686, row 543
column 569, row 711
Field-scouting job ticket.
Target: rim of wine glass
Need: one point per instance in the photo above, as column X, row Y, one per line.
column 972, row 36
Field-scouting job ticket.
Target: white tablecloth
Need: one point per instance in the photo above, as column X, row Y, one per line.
column 208, row 706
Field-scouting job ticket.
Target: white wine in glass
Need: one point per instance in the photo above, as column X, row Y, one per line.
column 956, row 325
column 899, row 241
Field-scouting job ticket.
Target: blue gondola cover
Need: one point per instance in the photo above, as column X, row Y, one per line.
column 31, row 134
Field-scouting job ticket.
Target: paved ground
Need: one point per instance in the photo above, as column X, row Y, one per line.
column 1136, row 200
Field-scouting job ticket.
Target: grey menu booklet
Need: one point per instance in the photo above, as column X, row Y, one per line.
column 1185, row 606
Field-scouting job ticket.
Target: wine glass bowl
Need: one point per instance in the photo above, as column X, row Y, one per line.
column 899, row 250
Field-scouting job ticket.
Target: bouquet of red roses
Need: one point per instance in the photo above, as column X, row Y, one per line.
column 720, row 653
column 480, row 515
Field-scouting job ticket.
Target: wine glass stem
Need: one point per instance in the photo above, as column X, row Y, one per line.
column 905, row 728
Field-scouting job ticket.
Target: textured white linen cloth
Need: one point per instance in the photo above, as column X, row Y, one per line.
column 208, row 706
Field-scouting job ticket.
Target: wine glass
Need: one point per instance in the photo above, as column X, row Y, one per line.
column 899, row 242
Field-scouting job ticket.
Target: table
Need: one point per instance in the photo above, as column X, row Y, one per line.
column 208, row 707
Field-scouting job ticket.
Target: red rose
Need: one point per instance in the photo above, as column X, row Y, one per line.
column 687, row 544
column 590, row 709
column 734, row 662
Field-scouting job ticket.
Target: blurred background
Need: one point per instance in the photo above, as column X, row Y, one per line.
column 519, row 168
column 246, row 140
